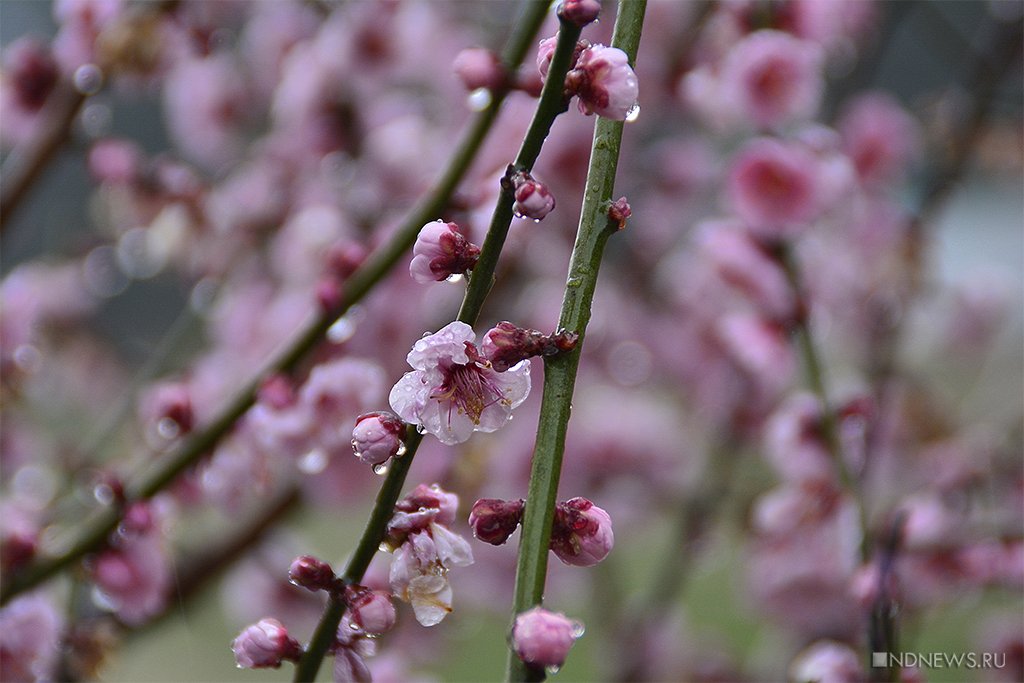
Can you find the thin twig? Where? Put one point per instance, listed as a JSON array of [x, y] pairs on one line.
[[560, 371]]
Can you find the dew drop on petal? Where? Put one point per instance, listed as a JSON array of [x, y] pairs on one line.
[[578, 629], [383, 547], [102, 600], [421, 429], [380, 469], [633, 114], [402, 450], [313, 462], [552, 670], [354, 626], [454, 277]]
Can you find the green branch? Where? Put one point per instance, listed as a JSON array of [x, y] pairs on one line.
[[560, 371]]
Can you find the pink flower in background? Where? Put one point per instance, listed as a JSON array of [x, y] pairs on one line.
[[30, 74], [879, 136], [772, 186], [30, 633], [452, 391], [773, 78], [542, 638], [440, 252], [604, 82], [135, 578], [478, 67]]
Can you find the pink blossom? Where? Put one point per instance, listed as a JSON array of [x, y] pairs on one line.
[[426, 550], [746, 265], [350, 667], [135, 578], [533, 199], [264, 644], [505, 344], [794, 442], [758, 346], [115, 160], [545, 53], [453, 391], [30, 638], [879, 136], [30, 74], [827, 662], [772, 186], [773, 78], [542, 638], [478, 67], [582, 533], [441, 251], [377, 437], [604, 82]]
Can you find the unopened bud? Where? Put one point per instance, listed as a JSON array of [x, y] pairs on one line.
[[440, 252], [378, 436], [265, 644], [582, 533], [477, 68], [494, 520], [579, 12], [533, 199], [312, 574], [619, 211], [504, 345], [542, 638], [373, 612]]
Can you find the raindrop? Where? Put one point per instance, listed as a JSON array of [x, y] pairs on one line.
[[96, 119], [578, 629], [88, 79], [633, 114], [479, 99], [380, 469], [28, 358], [552, 670], [313, 462], [354, 626], [103, 494], [420, 429], [383, 547], [167, 428], [102, 275], [455, 277], [342, 330], [402, 450], [102, 600], [135, 257]]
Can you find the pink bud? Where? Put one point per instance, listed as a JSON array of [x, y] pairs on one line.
[[373, 612], [533, 199], [115, 161], [493, 520], [312, 574], [17, 549], [378, 436], [505, 344], [328, 294], [604, 82], [265, 644], [431, 497], [343, 258], [276, 392], [582, 533], [477, 67], [619, 211], [440, 252], [542, 638], [579, 12]]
